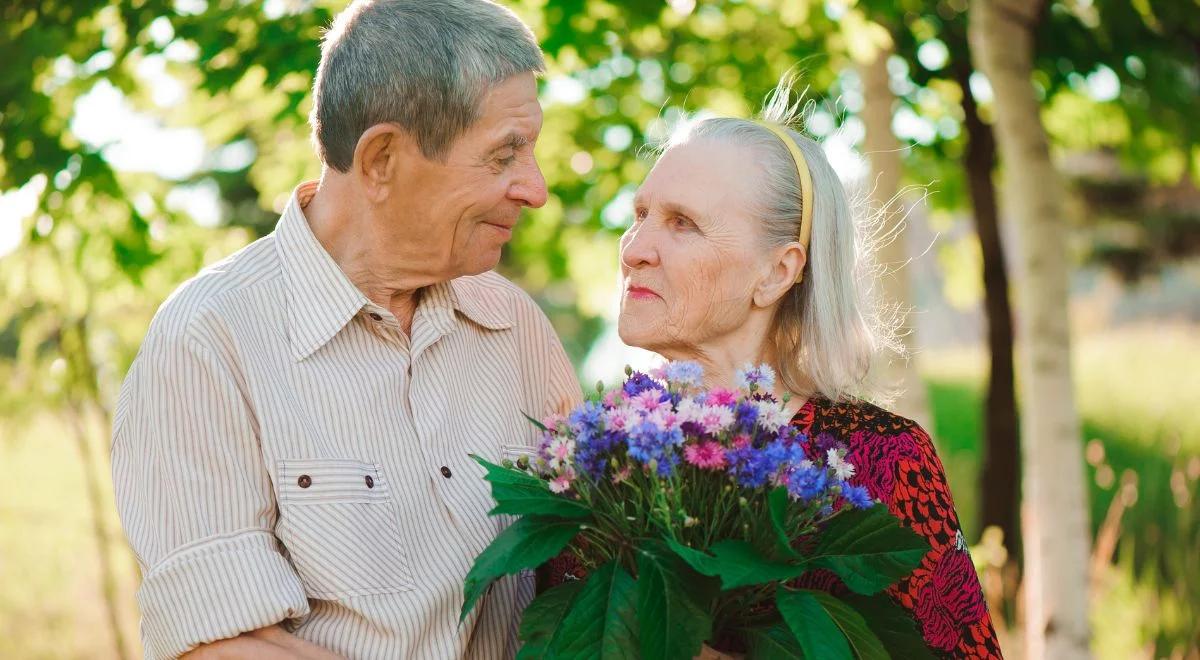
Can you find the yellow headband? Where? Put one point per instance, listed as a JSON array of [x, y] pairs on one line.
[[806, 188]]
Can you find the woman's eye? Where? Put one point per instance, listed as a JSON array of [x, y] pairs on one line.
[[680, 222], [640, 214]]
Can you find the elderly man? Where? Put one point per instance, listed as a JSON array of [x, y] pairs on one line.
[[290, 450]]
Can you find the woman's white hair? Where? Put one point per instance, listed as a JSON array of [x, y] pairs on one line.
[[827, 330]]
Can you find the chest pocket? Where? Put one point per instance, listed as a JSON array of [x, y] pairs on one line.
[[340, 526]]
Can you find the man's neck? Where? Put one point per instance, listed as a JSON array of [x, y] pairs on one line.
[[348, 235]]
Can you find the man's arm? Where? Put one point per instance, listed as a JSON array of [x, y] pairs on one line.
[[196, 500]]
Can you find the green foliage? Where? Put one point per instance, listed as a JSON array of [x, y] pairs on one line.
[[527, 543], [815, 630], [520, 493], [868, 549]]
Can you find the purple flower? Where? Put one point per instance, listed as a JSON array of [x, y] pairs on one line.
[[639, 382], [857, 496]]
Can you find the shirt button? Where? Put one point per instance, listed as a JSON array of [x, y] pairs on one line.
[[304, 481], [375, 316], [370, 482], [445, 472]]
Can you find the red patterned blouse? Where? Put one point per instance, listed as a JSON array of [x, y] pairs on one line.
[[896, 462]]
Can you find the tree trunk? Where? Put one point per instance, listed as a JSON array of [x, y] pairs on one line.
[[1000, 477], [882, 149], [1055, 516]]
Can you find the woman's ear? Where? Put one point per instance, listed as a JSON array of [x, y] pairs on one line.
[[781, 275]]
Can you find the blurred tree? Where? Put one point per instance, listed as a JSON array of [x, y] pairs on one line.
[[1057, 535]]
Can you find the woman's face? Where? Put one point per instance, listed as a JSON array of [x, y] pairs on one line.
[[691, 261]]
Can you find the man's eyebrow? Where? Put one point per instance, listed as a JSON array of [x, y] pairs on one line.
[[513, 140]]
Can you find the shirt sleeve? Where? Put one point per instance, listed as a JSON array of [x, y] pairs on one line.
[[943, 593], [196, 500]]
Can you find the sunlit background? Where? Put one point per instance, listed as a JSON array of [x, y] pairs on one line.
[[142, 140]]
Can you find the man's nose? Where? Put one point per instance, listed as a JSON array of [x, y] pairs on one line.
[[530, 186]]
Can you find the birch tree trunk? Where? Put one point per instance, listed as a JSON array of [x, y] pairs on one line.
[[1055, 518], [882, 150]]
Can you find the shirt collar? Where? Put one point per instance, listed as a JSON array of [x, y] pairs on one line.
[[322, 300]]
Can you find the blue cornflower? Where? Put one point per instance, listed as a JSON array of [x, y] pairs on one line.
[[685, 373], [808, 482], [745, 416], [857, 496], [647, 442], [586, 417], [752, 378], [750, 467]]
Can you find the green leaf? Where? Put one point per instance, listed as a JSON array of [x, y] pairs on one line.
[[674, 604], [777, 505], [520, 493], [865, 643], [524, 544], [602, 622], [737, 563], [893, 625], [868, 549], [774, 643], [815, 630], [540, 426], [543, 618]]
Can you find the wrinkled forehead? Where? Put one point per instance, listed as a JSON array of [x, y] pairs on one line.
[[712, 176]]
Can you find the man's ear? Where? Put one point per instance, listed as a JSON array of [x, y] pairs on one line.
[[781, 275], [378, 157]]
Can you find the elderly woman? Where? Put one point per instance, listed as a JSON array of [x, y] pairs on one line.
[[744, 250]]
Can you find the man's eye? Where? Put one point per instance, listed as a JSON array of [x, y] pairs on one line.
[[508, 159], [681, 222], [640, 214]]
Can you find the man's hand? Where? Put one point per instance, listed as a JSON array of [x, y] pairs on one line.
[[272, 643]]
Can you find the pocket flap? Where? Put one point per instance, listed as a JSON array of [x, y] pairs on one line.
[[331, 480]]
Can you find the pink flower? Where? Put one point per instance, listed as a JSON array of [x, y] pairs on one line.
[[721, 397], [620, 419], [553, 422], [663, 419], [560, 484], [648, 400], [707, 455], [716, 419], [741, 441]]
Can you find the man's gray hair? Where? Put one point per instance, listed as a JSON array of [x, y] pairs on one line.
[[422, 65]]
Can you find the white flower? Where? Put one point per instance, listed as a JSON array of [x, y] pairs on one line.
[[772, 416], [841, 469], [689, 410]]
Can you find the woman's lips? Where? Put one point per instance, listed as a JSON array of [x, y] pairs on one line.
[[641, 293]]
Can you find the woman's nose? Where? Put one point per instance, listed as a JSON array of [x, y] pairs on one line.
[[529, 187], [638, 247]]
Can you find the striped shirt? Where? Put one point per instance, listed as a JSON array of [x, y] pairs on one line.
[[284, 453]]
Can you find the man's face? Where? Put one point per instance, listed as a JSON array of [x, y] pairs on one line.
[[462, 211]]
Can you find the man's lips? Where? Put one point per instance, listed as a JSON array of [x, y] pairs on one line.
[[502, 227], [641, 293]]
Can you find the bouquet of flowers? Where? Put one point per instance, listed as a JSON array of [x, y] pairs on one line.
[[695, 513]]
